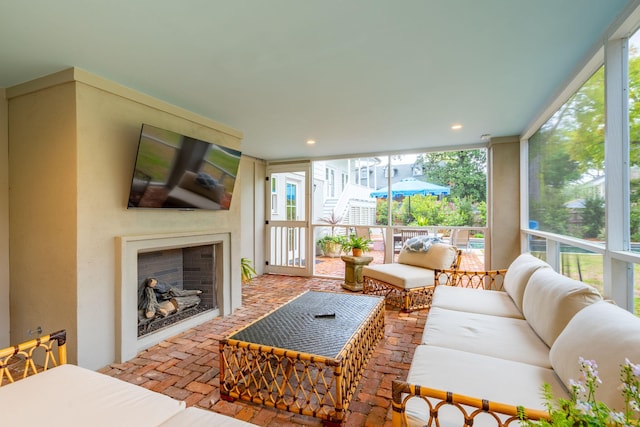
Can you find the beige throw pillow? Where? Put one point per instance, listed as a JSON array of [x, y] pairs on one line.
[[602, 332], [551, 300], [439, 256], [518, 274]]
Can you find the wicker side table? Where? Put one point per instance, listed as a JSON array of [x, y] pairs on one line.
[[353, 271]]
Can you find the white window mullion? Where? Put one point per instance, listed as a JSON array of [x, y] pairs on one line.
[[618, 279], [524, 193]]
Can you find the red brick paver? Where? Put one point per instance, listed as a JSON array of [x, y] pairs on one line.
[[186, 366]]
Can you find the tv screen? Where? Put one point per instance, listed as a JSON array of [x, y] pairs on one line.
[[176, 171]]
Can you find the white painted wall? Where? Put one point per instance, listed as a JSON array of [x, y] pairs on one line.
[[252, 184], [73, 140]]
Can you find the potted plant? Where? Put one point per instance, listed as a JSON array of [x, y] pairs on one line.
[[247, 270], [332, 220], [331, 246], [357, 245]]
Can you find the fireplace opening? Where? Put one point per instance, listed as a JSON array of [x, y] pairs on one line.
[[174, 285]]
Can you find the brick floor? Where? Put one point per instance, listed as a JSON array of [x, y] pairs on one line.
[[186, 366]]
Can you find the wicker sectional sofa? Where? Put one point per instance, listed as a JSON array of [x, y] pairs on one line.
[[492, 339]]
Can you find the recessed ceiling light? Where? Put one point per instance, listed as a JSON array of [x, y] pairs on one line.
[[310, 141], [456, 126]]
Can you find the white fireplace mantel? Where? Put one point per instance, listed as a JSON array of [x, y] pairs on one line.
[[128, 345]]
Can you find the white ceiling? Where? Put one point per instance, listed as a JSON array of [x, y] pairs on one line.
[[358, 76]]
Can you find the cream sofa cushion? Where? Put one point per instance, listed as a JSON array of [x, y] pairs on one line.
[[400, 275], [602, 332], [439, 256], [495, 303], [551, 300], [86, 397], [518, 274], [470, 374], [196, 417], [500, 337]]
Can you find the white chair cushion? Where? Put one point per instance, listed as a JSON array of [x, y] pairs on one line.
[[518, 274], [485, 377], [602, 332], [500, 337], [551, 300], [400, 275], [495, 303], [439, 256]]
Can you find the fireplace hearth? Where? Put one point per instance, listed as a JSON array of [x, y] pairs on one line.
[[175, 284], [188, 264], [149, 326]]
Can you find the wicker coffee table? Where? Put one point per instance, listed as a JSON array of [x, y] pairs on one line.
[[305, 357]]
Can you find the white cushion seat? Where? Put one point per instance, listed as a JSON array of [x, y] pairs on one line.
[[196, 417], [401, 275], [500, 337], [71, 395], [457, 371], [495, 303]]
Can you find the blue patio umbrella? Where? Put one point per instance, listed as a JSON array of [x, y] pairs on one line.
[[411, 187]]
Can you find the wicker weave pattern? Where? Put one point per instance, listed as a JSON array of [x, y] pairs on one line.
[[292, 325], [404, 299], [298, 381], [487, 280], [19, 359], [469, 407]]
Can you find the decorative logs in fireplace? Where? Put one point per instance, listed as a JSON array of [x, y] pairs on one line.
[[159, 299]]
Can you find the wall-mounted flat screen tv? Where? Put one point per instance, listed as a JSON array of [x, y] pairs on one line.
[[176, 171]]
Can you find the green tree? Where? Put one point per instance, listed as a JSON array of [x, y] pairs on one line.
[[634, 200], [428, 210], [425, 210], [593, 217], [550, 212], [634, 108], [586, 127], [464, 172]]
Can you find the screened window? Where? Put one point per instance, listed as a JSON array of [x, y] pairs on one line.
[[451, 190], [274, 195], [634, 140], [566, 166], [292, 201]]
